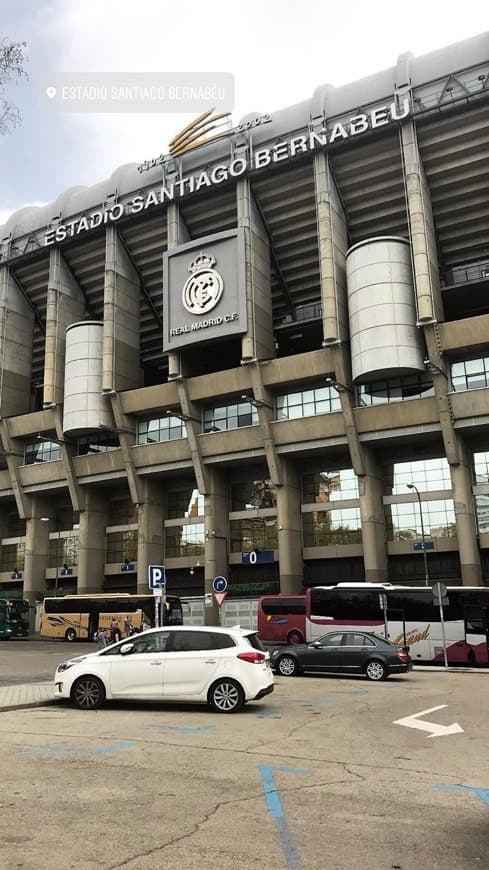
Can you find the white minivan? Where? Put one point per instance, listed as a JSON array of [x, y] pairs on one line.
[[223, 667]]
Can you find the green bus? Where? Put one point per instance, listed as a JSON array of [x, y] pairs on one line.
[[14, 617]]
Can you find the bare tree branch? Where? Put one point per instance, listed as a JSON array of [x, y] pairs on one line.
[[12, 60]]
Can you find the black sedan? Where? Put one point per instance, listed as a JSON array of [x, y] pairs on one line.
[[347, 652]]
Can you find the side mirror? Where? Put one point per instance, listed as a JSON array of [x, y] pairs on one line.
[[316, 644], [126, 648]]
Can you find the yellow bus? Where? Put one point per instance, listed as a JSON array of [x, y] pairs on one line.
[[78, 617]]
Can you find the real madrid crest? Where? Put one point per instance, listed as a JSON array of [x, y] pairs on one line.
[[203, 290]]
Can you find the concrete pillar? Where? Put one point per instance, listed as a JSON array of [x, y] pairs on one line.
[[151, 517], [465, 519], [333, 244], [91, 554], [216, 513], [373, 522], [289, 522], [258, 342], [16, 337], [65, 305], [176, 234], [422, 229], [121, 317], [36, 549]]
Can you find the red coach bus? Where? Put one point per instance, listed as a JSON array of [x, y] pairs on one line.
[[282, 618]]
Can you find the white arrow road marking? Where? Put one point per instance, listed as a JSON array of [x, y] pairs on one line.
[[435, 729]]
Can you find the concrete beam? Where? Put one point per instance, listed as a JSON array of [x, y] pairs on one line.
[[258, 342], [127, 437], [121, 317], [332, 243], [16, 338], [66, 304], [15, 458], [422, 229], [176, 234]]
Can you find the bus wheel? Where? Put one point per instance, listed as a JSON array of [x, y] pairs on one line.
[[70, 634], [295, 637], [88, 693]]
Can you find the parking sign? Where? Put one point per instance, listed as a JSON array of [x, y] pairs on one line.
[[156, 577]]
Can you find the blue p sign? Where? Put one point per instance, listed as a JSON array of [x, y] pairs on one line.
[[156, 576]]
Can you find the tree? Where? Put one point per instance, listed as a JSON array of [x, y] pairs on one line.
[[12, 60]]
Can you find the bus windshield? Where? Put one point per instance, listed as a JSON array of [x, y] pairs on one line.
[[79, 617], [282, 618], [14, 617], [407, 615]]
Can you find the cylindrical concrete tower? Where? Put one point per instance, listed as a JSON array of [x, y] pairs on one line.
[[385, 341], [85, 409]]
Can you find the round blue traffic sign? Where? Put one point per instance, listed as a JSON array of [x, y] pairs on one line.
[[219, 584]]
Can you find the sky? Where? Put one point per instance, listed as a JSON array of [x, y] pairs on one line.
[[279, 51]]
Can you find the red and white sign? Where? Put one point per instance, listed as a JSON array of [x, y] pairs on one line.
[[219, 598]]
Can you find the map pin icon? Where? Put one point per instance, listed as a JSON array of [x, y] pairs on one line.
[[50, 92]]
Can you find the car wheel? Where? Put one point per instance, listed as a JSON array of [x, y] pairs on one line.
[[88, 693], [376, 670], [70, 634], [287, 666], [295, 637], [226, 696]]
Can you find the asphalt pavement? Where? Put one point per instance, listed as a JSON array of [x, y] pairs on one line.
[[324, 774]]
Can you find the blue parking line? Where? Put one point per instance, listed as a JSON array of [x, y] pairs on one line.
[[275, 811], [482, 793], [33, 750]]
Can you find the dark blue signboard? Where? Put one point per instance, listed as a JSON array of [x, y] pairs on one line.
[[426, 545], [257, 557]]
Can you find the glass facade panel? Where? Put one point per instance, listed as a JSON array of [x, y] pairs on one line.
[[122, 546], [307, 403], [482, 510], [403, 521], [160, 429], [63, 550], [253, 495], [258, 533], [472, 374], [41, 451], [186, 502], [324, 486], [231, 416], [185, 540], [12, 557], [395, 390], [327, 528], [426, 474], [481, 467]]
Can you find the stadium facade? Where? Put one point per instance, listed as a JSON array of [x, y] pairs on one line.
[[265, 358]]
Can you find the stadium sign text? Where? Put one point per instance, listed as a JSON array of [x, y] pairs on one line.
[[259, 159]]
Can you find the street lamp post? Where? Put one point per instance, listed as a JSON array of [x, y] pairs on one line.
[[425, 555]]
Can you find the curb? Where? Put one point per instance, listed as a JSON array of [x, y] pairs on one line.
[[450, 670], [28, 704]]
